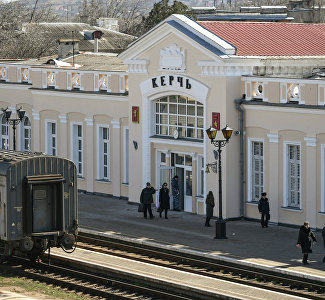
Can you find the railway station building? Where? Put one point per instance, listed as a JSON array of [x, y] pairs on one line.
[[141, 116]]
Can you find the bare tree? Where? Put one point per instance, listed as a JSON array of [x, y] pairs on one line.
[[128, 12], [15, 41]]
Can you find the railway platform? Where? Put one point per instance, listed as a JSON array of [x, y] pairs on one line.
[[273, 247]]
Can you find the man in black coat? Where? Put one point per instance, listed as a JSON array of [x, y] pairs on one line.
[[264, 209], [305, 238], [164, 200], [146, 199]]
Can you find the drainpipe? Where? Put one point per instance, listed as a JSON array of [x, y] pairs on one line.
[[238, 103]]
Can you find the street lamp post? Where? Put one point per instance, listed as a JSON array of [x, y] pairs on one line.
[[227, 132], [14, 122]]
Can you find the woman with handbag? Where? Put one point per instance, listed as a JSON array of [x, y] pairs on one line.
[[163, 200]]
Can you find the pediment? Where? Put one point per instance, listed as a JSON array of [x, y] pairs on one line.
[[172, 56]]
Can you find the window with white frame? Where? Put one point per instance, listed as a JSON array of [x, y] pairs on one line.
[[4, 133], [77, 147], [126, 156], [103, 154], [293, 176], [26, 135], [201, 170], [179, 113], [51, 138], [257, 170]]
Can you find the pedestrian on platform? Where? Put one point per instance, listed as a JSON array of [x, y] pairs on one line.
[[163, 200], [305, 239], [209, 208], [264, 209], [146, 199], [175, 192], [323, 235]]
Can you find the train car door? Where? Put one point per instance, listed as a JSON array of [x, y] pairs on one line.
[[43, 200]]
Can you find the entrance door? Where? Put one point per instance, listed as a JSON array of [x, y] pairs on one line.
[[165, 175], [183, 164]]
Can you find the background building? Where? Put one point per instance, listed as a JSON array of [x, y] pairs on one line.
[[124, 124]]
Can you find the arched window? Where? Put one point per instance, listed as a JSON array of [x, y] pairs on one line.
[[178, 113], [4, 133], [26, 135]]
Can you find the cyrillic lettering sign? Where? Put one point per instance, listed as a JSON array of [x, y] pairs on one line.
[[170, 81]]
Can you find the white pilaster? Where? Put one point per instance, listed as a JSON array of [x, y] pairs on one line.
[[36, 134], [273, 184], [89, 165], [116, 157], [63, 149], [311, 195]]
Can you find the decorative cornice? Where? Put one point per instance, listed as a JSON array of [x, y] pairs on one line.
[[209, 68], [89, 121], [63, 118], [311, 141], [36, 116], [138, 66], [273, 137], [116, 124]]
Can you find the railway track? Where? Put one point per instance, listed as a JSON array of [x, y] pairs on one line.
[[252, 276], [85, 283]]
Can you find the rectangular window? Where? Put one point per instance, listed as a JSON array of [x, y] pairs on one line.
[[51, 138], [77, 147], [293, 164], [126, 156], [103, 154], [257, 170]]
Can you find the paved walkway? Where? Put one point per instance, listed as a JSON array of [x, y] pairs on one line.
[[248, 241]]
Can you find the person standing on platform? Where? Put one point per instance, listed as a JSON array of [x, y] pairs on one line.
[[323, 235], [146, 199], [305, 238], [163, 200], [209, 208], [175, 192], [264, 209]]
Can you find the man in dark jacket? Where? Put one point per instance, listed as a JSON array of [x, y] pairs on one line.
[[164, 200], [146, 199], [305, 238], [264, 209]]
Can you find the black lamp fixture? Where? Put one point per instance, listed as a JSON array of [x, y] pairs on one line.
[[14, 122], [212, 132]]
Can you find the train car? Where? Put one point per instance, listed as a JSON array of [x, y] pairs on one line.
[[38, 203]]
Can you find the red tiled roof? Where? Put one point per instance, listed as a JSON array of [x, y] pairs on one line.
[[271, 39]]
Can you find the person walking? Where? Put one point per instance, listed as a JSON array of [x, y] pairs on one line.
[[175, 192], [146, 199], [209, 208], [264, 209], [163, 200], [323, 235], [305, 238]]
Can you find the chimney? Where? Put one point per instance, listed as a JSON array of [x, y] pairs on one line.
[[68, 47]]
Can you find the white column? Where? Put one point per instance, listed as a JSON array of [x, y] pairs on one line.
[[116, 157], [36, 133], [273, 189], [311, 195], [63, 136], [89, 166]]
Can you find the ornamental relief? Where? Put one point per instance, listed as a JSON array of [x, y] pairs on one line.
[[172, 58]]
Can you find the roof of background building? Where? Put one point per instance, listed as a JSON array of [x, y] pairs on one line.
[[271, 39], [111, 41], [108, 62]]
